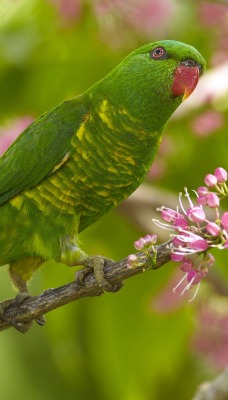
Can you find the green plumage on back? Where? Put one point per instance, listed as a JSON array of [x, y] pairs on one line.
[[78, 161]]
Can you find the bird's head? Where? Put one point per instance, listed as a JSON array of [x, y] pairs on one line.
[[182, 62], [154, 79]]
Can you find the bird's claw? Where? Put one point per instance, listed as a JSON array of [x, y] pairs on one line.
[[96, 265], [20, 326]]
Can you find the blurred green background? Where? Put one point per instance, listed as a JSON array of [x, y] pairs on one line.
[[144, 342]]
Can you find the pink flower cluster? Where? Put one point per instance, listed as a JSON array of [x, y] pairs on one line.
[[195, 234], [144, 243]]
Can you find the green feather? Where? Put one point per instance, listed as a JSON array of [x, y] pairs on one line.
[[81, 159]]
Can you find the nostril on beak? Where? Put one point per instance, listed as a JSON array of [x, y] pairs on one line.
[[191, 63]]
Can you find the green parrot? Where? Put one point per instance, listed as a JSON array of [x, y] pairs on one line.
[[79, 160]]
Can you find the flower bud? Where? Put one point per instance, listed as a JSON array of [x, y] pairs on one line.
[[221, 175], [213, 228], [131, 260], [139, 244], [210, 180], [202, 200], [213, 200], [202, 190], [150, 239], [224, 221]]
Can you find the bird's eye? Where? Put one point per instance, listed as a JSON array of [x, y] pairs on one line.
[[158, 53]]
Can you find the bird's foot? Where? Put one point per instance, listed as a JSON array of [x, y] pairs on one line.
[[4, 305], [96, 264], [19, 299]]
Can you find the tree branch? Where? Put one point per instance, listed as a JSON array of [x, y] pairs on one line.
[[21, 316]]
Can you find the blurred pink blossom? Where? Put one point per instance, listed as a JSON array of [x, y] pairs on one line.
[[211, 337], [11, 131], [142, 16], [157, 170], [163, 303], [213, 14], [68, 9], [147, 15], [207, 123]]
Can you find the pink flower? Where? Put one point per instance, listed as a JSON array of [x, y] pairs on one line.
[[168, 214], [198, 244], [177, 257], [180, 223], [194, 277], [186, 265], [179, 241], [194, 234], [196, 214]]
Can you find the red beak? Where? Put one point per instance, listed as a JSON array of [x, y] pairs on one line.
[[185, 80]]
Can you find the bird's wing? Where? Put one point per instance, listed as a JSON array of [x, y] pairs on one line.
[[40, 148]]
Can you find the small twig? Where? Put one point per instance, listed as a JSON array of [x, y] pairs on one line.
[[34, 307], [215, 390]]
